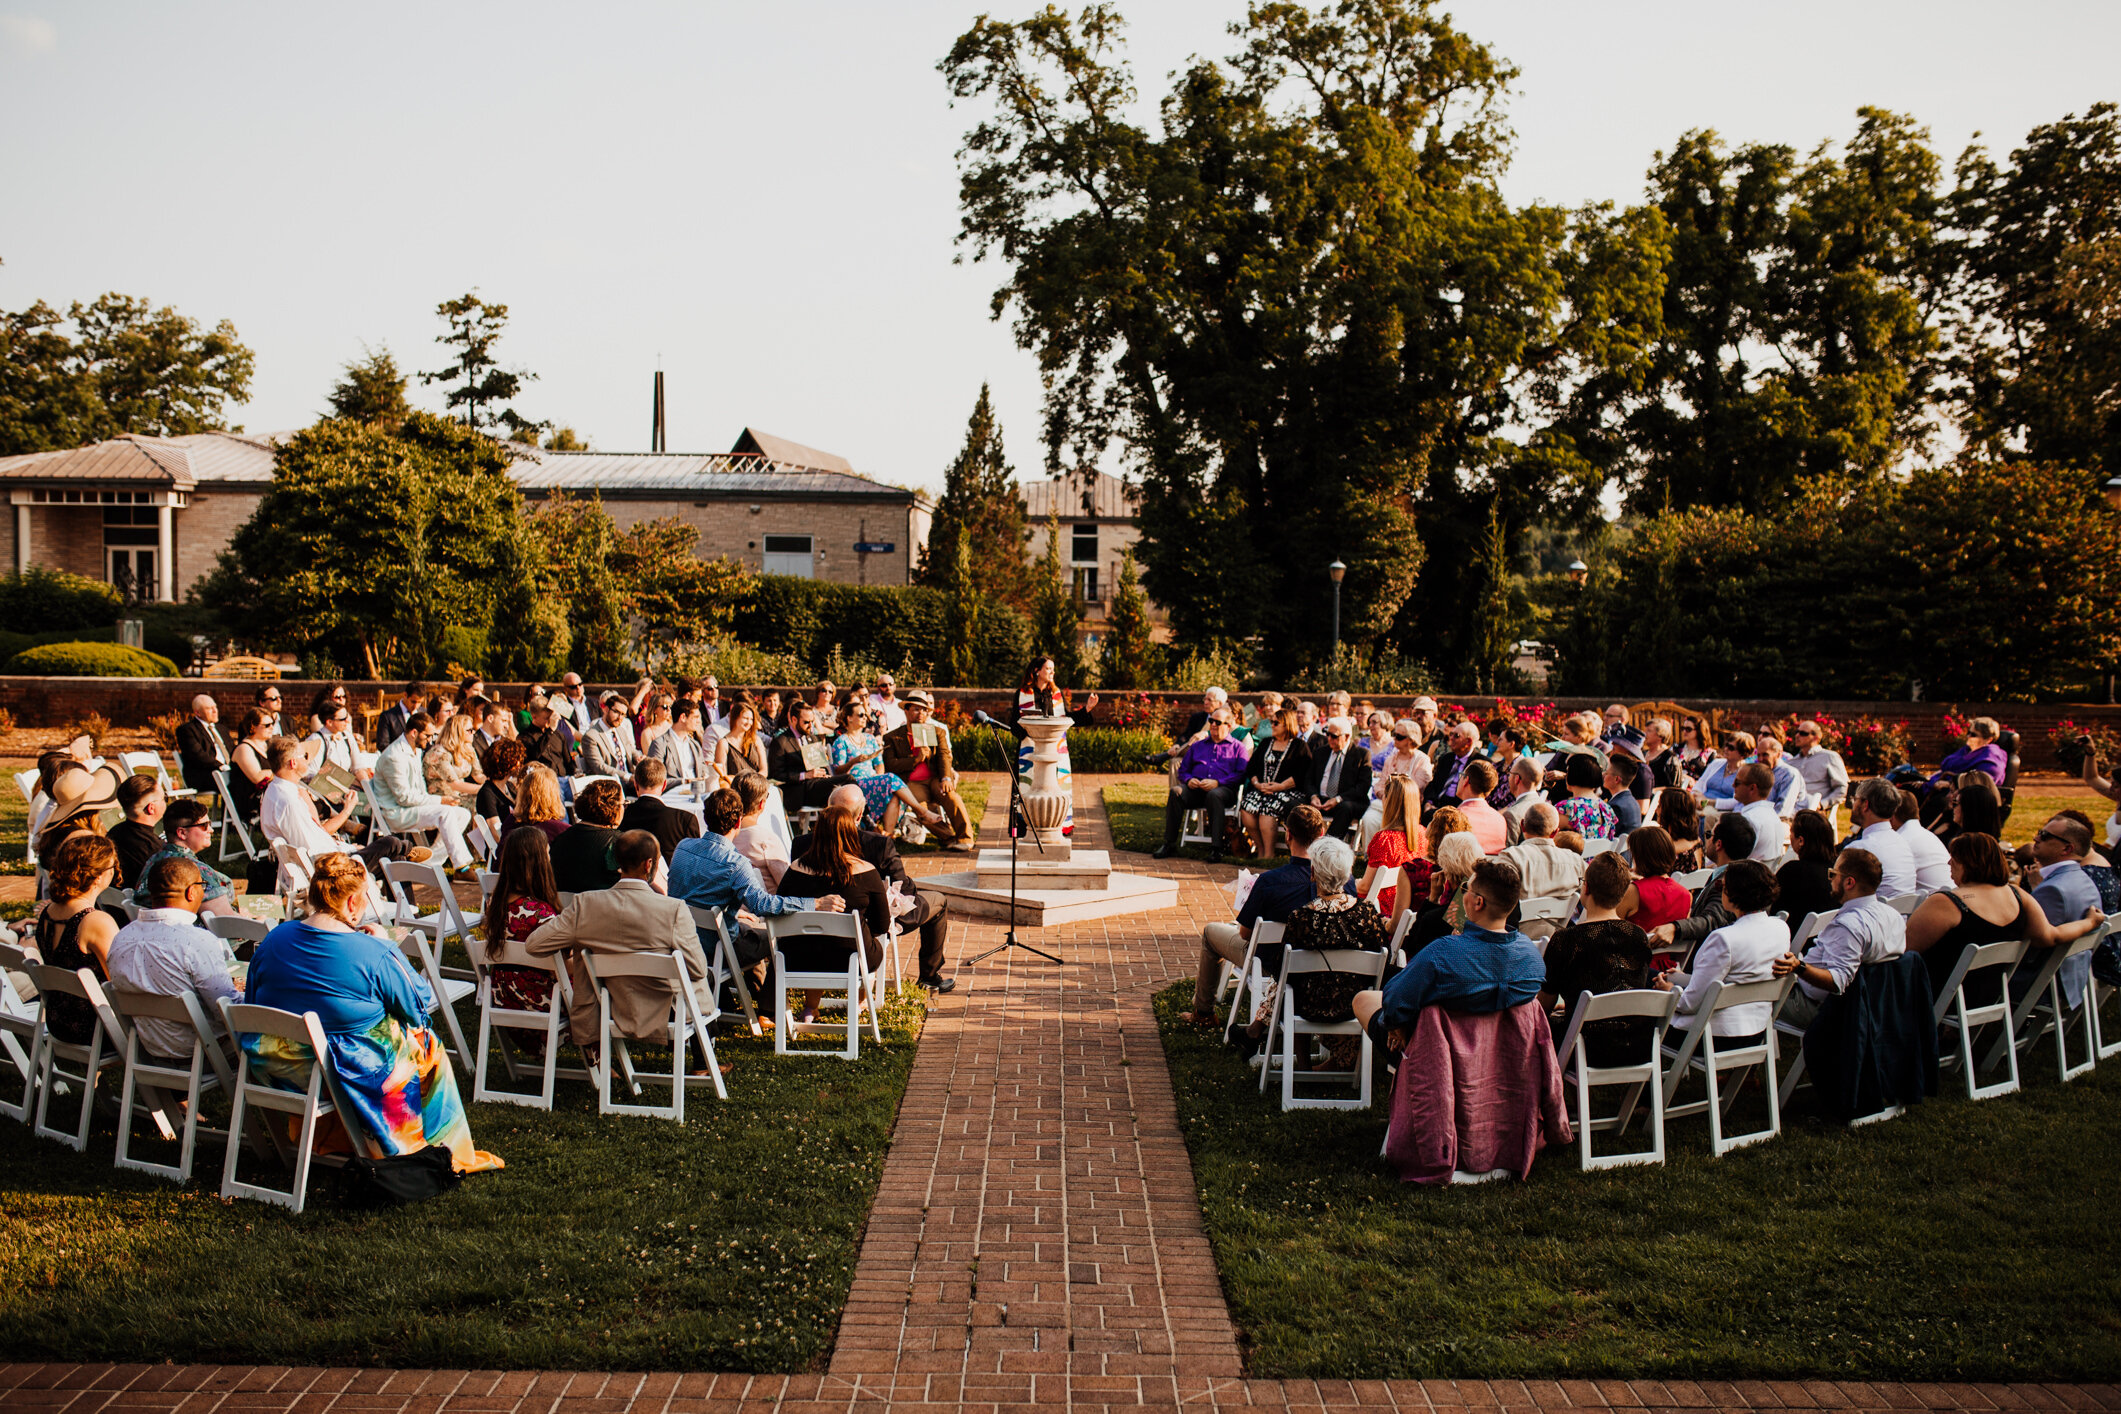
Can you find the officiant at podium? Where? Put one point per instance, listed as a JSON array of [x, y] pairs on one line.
[[1036, 696], [918, 753]]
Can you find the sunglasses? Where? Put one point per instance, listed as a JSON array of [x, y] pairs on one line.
[[2051, 835]]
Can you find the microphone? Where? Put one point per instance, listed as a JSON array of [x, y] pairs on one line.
[[986, 721]]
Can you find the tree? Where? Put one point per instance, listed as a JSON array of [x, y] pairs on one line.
[[316, 566], [1127, 641], [1302, 307], [566, 439], [474, 329], [981, 497], [2038, 360], [113, 366], [1056, 618], [963, 619], [373, 391], [530, 641]]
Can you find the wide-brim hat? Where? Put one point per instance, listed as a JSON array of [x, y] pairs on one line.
[[79, 793], [916, 697], [1624, 746]]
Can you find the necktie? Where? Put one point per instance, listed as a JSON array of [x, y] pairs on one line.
[[1330, 787]]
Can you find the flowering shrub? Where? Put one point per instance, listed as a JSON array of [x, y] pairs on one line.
[[1540, 720], [1131, 709], [2067, 736], [1955, 727], [1870, 746]]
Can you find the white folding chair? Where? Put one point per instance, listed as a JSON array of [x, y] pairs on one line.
[[233, 818], [713, 929], [311, 1104], [206, 1069], [1539, 918], [1251, 981], [687, 1022], [1593, 848], [1648, 1005], [52, 1055], [18, 1033], [496, 1021], [1295, 1031], [1954, 1012], [1386, 877], [858, 982], [1699, 1051], [1693, 879], [1400, 930], [1904, 904], [2041, 1010], [2101, 1047], [236, 929], [484, 847], [144, 763], [120, 899]]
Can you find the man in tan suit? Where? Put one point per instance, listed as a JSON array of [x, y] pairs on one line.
[[928, 771], [630, 916]]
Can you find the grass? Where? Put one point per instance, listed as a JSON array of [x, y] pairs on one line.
[[974, 794], [1135, 810], [725, 1243], [1959, 1242]]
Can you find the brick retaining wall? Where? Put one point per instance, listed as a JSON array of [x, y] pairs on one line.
[[54, 702]]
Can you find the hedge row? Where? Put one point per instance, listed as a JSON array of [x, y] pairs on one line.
[[90, 660], [1104, 751]]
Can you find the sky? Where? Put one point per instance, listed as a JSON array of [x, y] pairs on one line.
[[762, 199]]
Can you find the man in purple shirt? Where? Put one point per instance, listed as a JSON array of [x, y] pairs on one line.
[[1208, 776]]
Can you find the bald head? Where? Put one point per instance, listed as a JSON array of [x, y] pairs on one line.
[[1542, 820], [849, 798]]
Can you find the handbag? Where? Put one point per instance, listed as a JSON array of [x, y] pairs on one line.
[[399, 1180]]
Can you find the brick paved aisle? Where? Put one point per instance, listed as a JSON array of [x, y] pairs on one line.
[[1035, 1242]]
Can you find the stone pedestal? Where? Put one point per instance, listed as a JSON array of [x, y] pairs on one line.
[[1045, 801]]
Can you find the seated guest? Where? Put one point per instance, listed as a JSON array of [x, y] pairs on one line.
[[496, 802], [1339, 784], [497, 723], [1274, 779], [402, 797], [288, 814], [858, 751], [2065, 894], [1863, 931], [1976, 809], [1335, 919], [1583, 810], [71, 932], [669, 825], [538, 800], [1377, 738], [1523, 787], [1653, 898], [1802, 886], [680, 749], [628, 917], [1714, 786], [740, 750], [247, 772], [607, 747], [803, 786], [1872, 806], [925, 911], [1750, 787], [1933, 862], [1620, 798], [1625, 757], [543, 743], [397, 1092], [581, 853], [929, 771], [187, 827], [1209, 773], [1980, 753], [524, 898], [333, 743], [832, 863], [1394, 847], [1618, 725], [1482, 818], [1456, 854], [164, 952], [1406, 761], [452, 764], [1984, 908], [1823, 778], [1544, 870], [1659, 757], [1787, 791], [1680, 816], [1275, 895], [142, 801], [1603, 951], [201, 748], [708, 872], [1730, 842], [1488, 966], [1512, 744], [755, 839], [391, 725], [1744, 949], [1450, 768]]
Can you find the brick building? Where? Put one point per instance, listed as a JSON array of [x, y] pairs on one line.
[[157, 511], [1098, 527]]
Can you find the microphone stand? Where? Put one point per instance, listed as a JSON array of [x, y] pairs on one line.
[[1017, 827]]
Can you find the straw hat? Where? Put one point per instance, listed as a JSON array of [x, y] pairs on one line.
[[86, 792]]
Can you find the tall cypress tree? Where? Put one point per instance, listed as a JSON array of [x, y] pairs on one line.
[[1126, 660], [980, 497]]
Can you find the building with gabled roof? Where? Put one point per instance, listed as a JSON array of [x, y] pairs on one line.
[[1099, 524]]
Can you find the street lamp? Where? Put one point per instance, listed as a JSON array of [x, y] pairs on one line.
[[1338, 571], [1578, 572], [2113, 492]]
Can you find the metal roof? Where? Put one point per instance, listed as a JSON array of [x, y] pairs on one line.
[[1062, 496], [177, 462], [780, 449]]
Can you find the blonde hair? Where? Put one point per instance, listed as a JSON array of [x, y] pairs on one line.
[[335, 879], [456, 739], [538, 798], [1402, 808]]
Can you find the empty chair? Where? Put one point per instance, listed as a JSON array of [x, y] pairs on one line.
[[1693, 879], [1698, 1050], [1652, 1007], [233, 818], [720, 947], [855, 979]]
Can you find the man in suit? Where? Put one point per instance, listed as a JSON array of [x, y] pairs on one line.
[[928, 772], [630, 916], [544, 743], [803, 786], [391, 725], [679, 748], [1443, 789], [648, 812], [929, 912], [607, 750], [1340, 777], [201, 749]]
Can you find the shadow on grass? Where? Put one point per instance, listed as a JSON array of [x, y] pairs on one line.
[[725, 1243], [1960, 1242], [1136, 812]]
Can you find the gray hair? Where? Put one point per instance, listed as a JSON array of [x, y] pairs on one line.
[[1525, 769], [1332, 862], [1458, 853], [1215, 694], [1879, 796]]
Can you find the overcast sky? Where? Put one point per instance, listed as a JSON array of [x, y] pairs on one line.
[[763, 197]]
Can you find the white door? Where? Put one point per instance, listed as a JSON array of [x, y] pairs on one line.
[[789, 554]]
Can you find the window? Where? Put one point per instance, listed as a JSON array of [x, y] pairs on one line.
[[1086, 584], [1085, 552], [790, 554], [130, 525]]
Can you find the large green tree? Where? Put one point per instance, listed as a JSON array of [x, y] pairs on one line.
[[980, 497], [476, 381], [373, 543], [113, 366], [1301, 306]]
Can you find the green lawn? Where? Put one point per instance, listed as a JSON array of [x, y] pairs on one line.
[[724, 1243], [974, 794], [1961, 1241], [1136, 812]]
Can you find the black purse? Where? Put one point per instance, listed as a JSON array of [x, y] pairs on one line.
[[399, 1180]]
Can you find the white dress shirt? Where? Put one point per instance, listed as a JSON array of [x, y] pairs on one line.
[[888, 712], [1891, 852], [165, 952], [287, 812], [1933, 862], [1767, 829], [1862, 931], [1742, 950]]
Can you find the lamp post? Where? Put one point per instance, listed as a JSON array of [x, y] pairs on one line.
[[1338, 571]]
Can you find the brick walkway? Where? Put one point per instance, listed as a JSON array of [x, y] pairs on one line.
[[1035, 1242]]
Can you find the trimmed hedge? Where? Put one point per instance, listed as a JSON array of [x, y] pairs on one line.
[[91, 660], [54, 599], [807, 618], [1101, 751]]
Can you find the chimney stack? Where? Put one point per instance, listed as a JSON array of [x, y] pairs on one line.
[[657, 434]]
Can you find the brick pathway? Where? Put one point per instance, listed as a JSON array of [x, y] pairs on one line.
[[1035, 1242]]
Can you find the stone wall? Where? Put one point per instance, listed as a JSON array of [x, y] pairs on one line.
[[53, 702]]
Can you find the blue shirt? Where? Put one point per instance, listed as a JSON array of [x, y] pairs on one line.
[[1280, 892], [350, 980], [1627, 814], [1475, 971], [2066, 894], [709, 873]]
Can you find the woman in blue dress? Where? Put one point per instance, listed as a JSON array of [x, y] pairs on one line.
[[856, 751], [1037, 697]]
